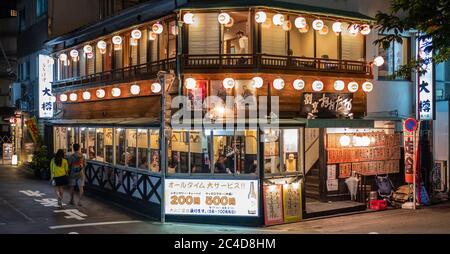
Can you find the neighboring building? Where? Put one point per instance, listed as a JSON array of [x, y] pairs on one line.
[[338, 113]]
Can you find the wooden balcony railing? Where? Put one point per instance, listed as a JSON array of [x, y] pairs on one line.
[[265, 62], [120, 75]]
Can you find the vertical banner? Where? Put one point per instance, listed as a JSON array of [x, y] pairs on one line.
[[33, 129], [292, 202], [411, 137], [273, 204], [426, 102], [45, 86]]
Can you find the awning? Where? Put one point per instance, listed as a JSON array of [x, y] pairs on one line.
[[337, 123], [132, 122]]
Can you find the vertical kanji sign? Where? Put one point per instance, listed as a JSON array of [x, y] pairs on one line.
[[411, 140], [425, 104], [45, 86]]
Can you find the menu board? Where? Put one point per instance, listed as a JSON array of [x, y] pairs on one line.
[[273, 204], [292, 202]]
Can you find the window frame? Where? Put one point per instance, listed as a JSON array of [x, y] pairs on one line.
[[394, 77]]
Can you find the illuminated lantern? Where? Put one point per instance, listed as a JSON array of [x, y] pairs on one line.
[[260, 17], [151, 36], [300, 22], [116, 92], [189, 18], [230, 24], [190, 83], [353, 86], [157, 28], [287, 25], [257, 82], [136, 34], [73, 96], [87, 49], [298, 84], [156, 87], [324, 30], [74, 54], [100, 93], [101, 44], [86, 95], [224, 18], [337, 27], [278, 83], [344, 140], [228, 83], [278, 19], [353, 30], [367, 87], [317, 24], [304, 29], [365, 141], [133, 42], [90, 55], [339, 85], [365, 29], [317, 85], [135, 89], [117, 40], [378, 61], [63, 97], [63, 57]]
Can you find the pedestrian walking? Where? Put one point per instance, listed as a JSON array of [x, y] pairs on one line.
[[59, 169], [77, 163]]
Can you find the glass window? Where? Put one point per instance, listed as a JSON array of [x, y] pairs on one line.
[[271, 151], [82, 63], [178, 152], [91, 143], [71, 139], [100, 145], [172, 39], [301, 43], [60, 139], [98, 61], [153, 46], [134, 51], [224, 148], [130, 157], [83, 141], [41, 7], [235, 37], [109, 148], [90, 62], [352, 45], [143, 47], [199, 157], [154, 151], [143, 151], [204, 35], [327, 42], [273, 38], [250, 150], [120, 146], [118, 56], [394, 57], [290, 150]]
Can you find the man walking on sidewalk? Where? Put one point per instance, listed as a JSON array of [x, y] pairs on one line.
[[77, 164]]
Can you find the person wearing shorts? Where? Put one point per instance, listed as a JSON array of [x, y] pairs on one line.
[[77, 163], [58, 174]]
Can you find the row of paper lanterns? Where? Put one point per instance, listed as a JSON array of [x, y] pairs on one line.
[[298, 84], [280, 20], [101, 93], [345, 140]]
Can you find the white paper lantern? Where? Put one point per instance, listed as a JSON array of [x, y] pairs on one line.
[[278, 19], [136, 34], [304, 29], [63, 57], [257, 82], [300, 22], [317, 24], [278, 83], [63, 97], [353, 86], [365, 29], [337, 27], [224, 18], [115, 92], [73, 96], [353, 29], [101, 44], [317, 85], [260, 17], [344, 140], [156, 87], [230, 24], [339, 85], [135, 89], [324, 30], [189, 18], [87, 49], [367, 87], [151, 36], [298, 84], [190, 83], [90, 55], [378, 61], [287, 25], [228, 83], [117, 40], [86, 95], [365, 141], [74, 54], [100, 93], [157, 28]]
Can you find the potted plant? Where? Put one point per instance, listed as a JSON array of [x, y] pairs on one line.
[[41, 162]]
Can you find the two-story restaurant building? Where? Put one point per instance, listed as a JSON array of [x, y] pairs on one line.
[[308, 69]]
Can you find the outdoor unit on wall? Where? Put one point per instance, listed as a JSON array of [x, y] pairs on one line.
[[16, 92]]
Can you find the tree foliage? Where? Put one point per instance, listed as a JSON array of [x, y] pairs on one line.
[[429, 18]]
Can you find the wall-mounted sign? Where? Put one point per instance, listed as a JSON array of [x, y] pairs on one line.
[[7, 151], [326, 105], [45, 86], [273, 204], [426, 98], [211, 197], [411, 141], [410, 125], [33, 129]]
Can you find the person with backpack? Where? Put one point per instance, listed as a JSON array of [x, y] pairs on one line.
[[77, 164], [59, 170]]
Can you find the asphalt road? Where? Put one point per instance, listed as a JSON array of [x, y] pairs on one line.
[[26, 207]]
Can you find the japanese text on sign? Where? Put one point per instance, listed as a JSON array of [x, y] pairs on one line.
[[45, 86], [425, 83]]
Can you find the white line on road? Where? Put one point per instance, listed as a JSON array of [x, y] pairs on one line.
[[94, 224], [17, 210]]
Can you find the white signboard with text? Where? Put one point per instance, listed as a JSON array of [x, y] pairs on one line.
[[211, 197], [45, 86], [426, 85]]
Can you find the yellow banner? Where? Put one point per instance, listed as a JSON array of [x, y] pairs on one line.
[[292, 202], [33, 129]]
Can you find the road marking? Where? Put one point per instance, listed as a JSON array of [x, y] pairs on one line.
[[72, 214], [73, 233], [17, 210], [31, 193], [373, 233], [93, 224]]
